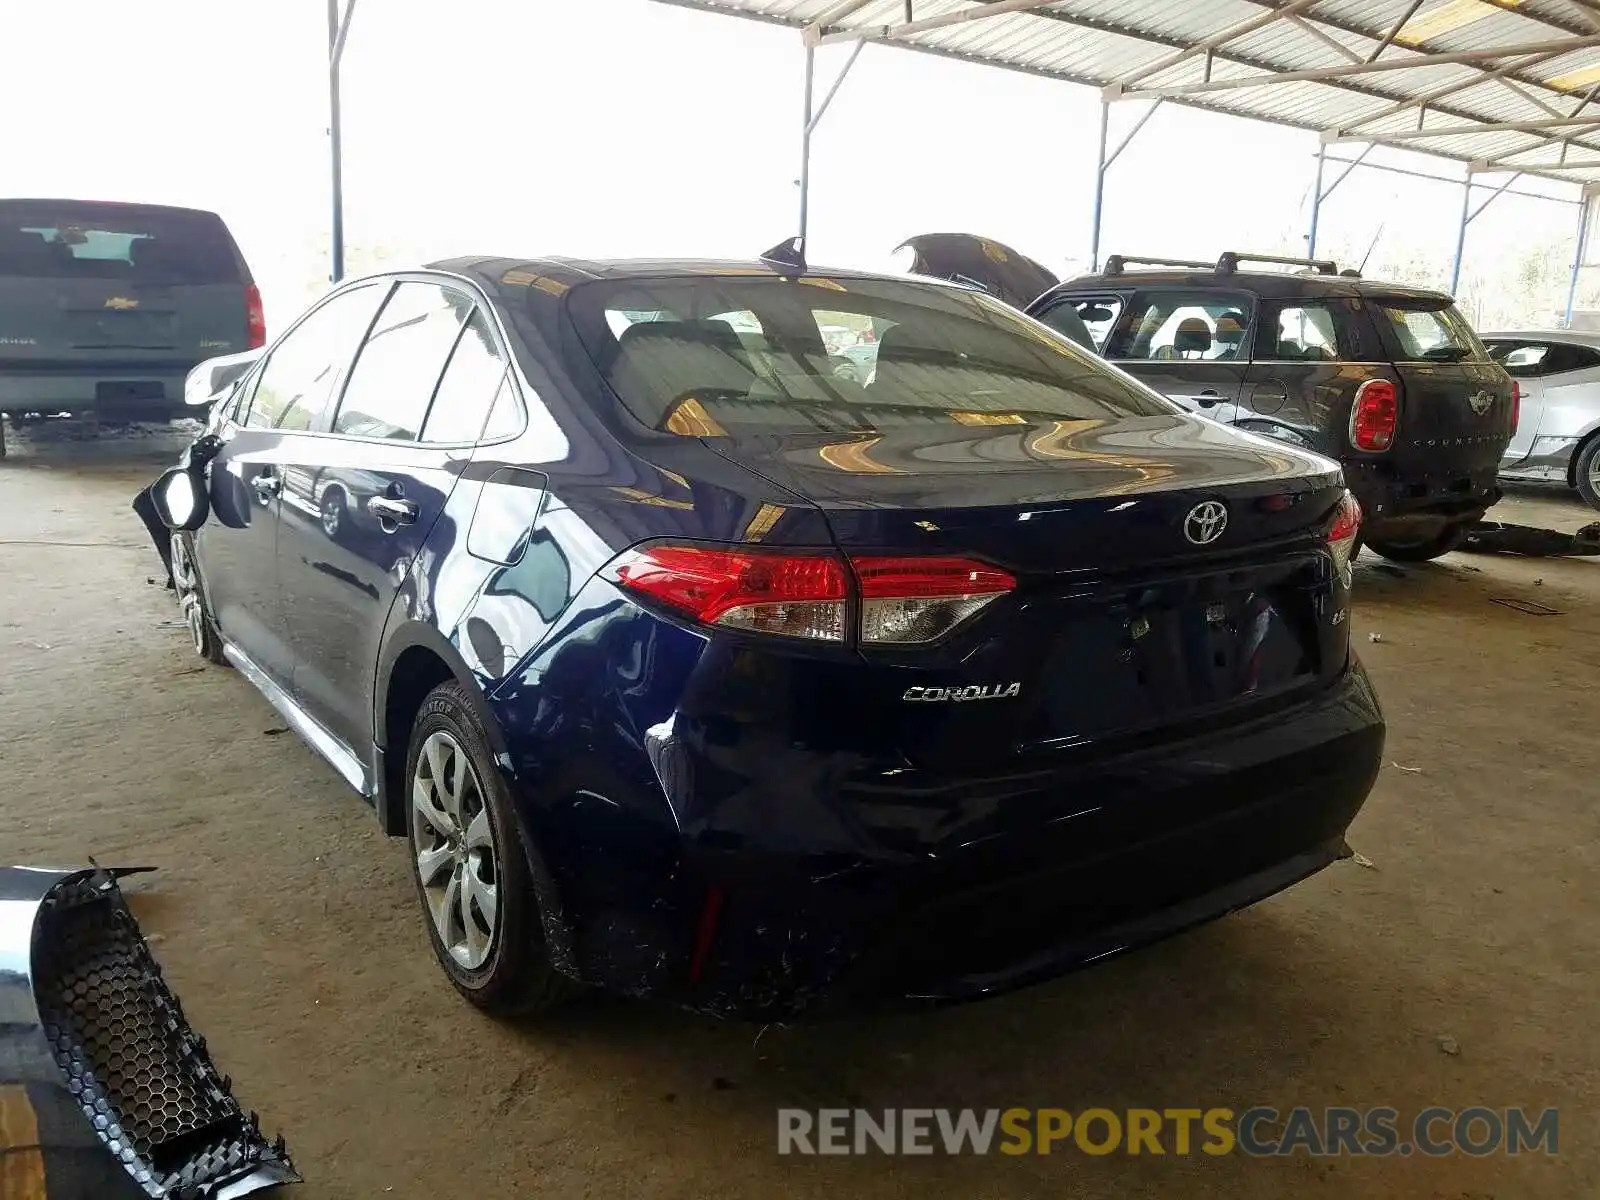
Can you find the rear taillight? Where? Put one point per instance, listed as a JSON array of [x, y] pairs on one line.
[[902, 599], [1516, 405], [1342, 536], [255, 317], [1374, 415]]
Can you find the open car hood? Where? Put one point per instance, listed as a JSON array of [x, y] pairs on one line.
[[981, 263]]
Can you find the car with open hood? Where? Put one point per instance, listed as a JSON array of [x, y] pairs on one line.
[[686, 666]]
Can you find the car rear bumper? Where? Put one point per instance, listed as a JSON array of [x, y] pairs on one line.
[[1100, 856], [1415, 505], [130, 390]]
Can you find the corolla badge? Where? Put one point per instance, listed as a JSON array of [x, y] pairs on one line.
[[1481, 401], [973, 691], [1205, 522], [121, 303]]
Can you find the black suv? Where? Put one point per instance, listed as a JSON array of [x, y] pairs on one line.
[[1389, 380]]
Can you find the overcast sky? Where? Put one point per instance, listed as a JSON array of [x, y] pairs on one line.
[[623, 127]]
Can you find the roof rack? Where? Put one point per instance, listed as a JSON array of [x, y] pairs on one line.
[[1227, 264]]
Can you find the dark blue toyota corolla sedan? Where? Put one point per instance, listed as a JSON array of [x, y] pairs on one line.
[[692, 665]]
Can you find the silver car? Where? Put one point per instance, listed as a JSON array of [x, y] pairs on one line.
[[1557, 439]]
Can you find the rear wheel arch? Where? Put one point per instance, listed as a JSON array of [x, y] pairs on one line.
[[1584, 443]]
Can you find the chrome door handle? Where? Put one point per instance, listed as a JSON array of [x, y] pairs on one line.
[[266, 485], [395, 512]]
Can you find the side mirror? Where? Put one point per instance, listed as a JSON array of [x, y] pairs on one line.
[[216, 378], [181, 499]]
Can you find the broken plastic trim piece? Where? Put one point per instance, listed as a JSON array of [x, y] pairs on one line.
[[96, 1055]]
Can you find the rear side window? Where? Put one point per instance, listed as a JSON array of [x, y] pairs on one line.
[[1182, 325], [1565, 357], [1427, 331], [398, 368], [468, 388], [1523, 360], [66, 240], [301, 375], [1306, 333]]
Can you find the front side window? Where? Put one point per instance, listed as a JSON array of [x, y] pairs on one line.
[[300, 377], [399, 365], [1079, 315], [934, 354], [1170, 326], [1426, 330]]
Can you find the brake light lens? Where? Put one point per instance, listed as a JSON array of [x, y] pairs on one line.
[[1342, 536], [918, 599], [1374, 415], [1516, 405], [255, 317], [904, 600]]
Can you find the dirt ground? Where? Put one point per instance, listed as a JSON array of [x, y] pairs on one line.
[[289, 927]]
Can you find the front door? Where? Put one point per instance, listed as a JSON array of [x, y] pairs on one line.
[[362, 500], [1191, 345]]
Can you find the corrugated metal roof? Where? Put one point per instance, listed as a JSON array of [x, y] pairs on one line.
[[1107, 43]]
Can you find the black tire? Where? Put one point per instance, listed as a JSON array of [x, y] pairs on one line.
[[1425, 550], [517, 976], [191, 595], [1586, 472]]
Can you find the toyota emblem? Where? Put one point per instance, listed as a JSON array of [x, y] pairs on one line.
[[1205, 522]]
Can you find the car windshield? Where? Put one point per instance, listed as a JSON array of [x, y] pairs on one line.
[[65, 240], [1429, 330], [700, 355]]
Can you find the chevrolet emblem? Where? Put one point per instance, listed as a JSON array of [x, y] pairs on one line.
[[121, 302]]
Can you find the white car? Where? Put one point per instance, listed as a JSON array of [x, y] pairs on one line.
[[1558, 436]]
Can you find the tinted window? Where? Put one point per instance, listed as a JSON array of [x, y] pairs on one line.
[[1427, 331], [399, 365], [1179, 325], [1524, 360], [942, 355], [468, 388], [300, 377], [1307, 333], [1566, 357], [1094, 315], [63, 240]]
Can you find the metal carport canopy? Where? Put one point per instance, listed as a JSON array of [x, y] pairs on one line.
[[1509, 87]]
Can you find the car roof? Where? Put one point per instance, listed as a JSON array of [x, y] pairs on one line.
[[1272, 285], [572, 271], [1575, 337], [113, 205]]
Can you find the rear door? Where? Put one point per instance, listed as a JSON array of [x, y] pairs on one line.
[[1526, 361], [117, 287], [361, 498], [288, 393], [1310, 356], [1455, 402], [1189, 344]]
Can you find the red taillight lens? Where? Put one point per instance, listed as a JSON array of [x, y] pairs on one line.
[[1374, 416], [797, 595], [1516, 404], [1342, 537], [903, 599], [255, 317], [918, 599]]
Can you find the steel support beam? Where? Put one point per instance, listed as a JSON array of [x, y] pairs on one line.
[[805, 144], [1326, 38], [1429, 98], [1099, 188], [338, 30], [1577, 259], [1394, 30], [1443, 131], [1215, 41], [1461, 235], [1316, 202], [889, 33], [1333, 74]]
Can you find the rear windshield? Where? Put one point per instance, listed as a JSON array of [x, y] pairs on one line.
[[1428, 330], [112, 241], [699, 356]]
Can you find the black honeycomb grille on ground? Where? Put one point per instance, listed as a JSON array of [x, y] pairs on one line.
[[139, 1073]]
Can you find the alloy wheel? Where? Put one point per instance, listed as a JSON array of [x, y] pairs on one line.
[[457, 860], [1594, 474], [332, 514], [186, 581]]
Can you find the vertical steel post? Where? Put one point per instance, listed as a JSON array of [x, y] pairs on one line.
[[1577, 258], [805, 144], [336, 231], [1099, 187], [1316, 202], [1461, 235]]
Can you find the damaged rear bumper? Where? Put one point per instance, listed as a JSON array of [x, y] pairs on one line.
[[105, 1091]]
